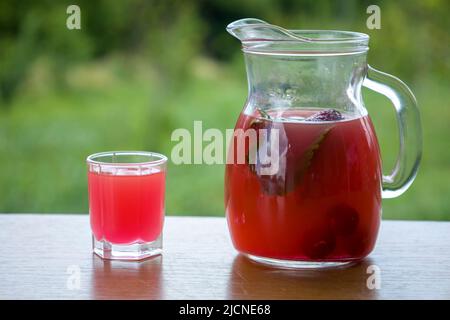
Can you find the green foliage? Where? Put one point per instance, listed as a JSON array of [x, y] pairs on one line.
[[139, 69]]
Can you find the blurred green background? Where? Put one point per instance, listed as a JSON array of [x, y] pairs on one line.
[[139, 69]]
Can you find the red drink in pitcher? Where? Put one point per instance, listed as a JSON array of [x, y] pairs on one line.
[[323, 203]]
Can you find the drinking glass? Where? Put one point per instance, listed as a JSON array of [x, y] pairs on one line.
[[126, 203]]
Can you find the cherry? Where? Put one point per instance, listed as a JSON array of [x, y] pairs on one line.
[[358, 245], [326, 115], [344, 219], [318, 243]]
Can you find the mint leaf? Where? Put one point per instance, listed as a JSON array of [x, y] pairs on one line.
[[280, 185], [264, 114], [309, 155]]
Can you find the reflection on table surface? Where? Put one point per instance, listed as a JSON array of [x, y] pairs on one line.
[[250, 280], [114, 279]]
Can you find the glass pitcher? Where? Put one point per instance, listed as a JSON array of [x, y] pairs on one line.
[[321, 207]]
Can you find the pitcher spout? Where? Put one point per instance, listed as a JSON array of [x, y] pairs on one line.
[[250, 29]]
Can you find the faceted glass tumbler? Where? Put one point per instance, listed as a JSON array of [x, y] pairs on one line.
[[126, 203]]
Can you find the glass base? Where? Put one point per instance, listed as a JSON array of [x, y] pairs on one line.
[[138, 251], [298, 264]]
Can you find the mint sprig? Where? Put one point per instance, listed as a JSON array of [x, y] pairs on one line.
[[309, 155], [281, 185]]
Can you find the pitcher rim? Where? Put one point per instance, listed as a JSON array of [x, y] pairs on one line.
[[263, 38]]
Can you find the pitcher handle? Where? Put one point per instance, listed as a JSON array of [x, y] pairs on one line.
[[410, 131]]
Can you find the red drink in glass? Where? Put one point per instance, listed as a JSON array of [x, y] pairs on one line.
[[324, 203], [126, 209], [126, 203]]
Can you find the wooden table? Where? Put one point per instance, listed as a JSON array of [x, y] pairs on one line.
[[41, 254]]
